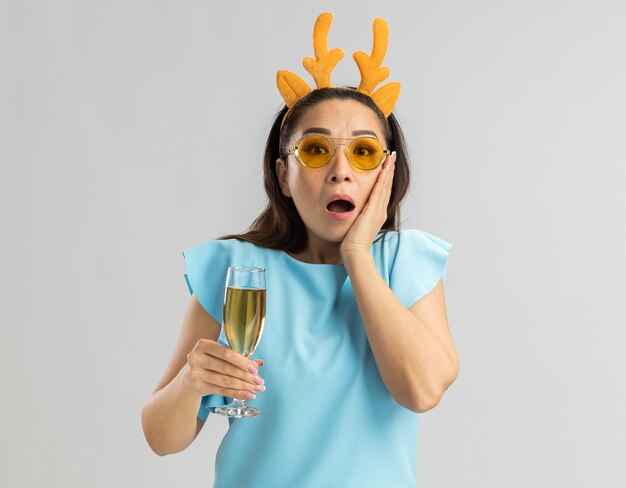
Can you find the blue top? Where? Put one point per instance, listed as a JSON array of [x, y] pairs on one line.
[[327, 418]]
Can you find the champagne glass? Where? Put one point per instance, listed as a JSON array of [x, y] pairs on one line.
[[243, 321]]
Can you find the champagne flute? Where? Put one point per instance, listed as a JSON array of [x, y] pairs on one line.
[[244, 319]]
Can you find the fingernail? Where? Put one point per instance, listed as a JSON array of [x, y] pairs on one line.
[[252, 369], [259, 387], [251, 396], [258, 380]]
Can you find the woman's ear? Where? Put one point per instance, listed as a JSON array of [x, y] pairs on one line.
[[281, 172]]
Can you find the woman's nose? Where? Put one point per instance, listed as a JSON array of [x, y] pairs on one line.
[[339, 163]]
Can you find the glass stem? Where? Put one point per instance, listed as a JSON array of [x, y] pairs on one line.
[[239, 403]]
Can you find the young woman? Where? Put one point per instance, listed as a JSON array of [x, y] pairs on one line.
[[356, 340]]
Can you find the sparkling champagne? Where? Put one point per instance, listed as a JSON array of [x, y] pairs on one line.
[[244, 318]]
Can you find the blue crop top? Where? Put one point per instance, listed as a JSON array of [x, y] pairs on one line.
[[327, 418]]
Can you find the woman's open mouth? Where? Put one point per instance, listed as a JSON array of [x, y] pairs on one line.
[[340, 209]]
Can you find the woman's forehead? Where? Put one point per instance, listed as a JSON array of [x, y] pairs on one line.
[[340, 118]]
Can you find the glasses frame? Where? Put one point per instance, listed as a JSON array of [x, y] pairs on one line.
[[294, 150]]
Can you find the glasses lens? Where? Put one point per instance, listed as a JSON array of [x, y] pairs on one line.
[[366, 153], [315, 151]]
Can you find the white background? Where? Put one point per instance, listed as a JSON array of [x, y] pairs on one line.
[[132, 130]]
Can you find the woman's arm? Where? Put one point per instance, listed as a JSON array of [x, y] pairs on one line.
[[170, 416], [412, 348], [199, 366]]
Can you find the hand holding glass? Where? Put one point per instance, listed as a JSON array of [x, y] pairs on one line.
[[243, 322]]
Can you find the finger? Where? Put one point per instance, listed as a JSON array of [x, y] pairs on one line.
[[376, 199], [225, 382], [391, 163], [382, 189], [390, 177], [380, 180], [227, 354], [212, 389], [215, 365]]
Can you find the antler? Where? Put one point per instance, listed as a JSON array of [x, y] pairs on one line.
[[325, 60], [372, 73], [290, 85], [293, 88], [369, 66]]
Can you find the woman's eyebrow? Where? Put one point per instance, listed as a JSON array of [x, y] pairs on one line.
[[316, 130], [364, 133], [322, 130]]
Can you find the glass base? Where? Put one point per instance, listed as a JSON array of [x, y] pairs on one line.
[[237, 409]]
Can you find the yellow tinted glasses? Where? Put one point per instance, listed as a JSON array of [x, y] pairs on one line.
[[315, 150]]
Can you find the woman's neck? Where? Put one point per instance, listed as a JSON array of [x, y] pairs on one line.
[[320, 252]]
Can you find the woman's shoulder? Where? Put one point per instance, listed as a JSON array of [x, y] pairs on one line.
[[209, 244], [414, 261], [221, 245], [395, 239], [206, 266], [222, 252]]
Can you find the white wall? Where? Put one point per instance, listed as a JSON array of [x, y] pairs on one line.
[[132, 130]]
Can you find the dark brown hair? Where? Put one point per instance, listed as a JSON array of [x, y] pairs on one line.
[[279, 225]]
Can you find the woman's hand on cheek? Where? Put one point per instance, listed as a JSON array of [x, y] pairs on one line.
[[369, 222]]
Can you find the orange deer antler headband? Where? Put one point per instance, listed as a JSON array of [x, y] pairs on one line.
[[292, 88]]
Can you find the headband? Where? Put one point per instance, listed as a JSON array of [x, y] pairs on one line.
[[292, 88]]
